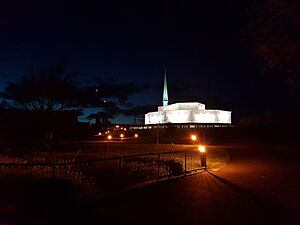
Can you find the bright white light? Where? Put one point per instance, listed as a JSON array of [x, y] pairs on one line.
[[201, 148], [109, 137], [121, 135], [136, 135], [99, 133], [192, 112]]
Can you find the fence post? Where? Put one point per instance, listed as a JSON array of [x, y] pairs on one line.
[[53, 170], [158, 165], [230, 155], [203, 160], [119, 170], [185, 163]]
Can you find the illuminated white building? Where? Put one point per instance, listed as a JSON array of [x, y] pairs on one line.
[[188, 112]]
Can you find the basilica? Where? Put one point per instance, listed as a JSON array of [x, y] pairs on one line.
[[185, 113]]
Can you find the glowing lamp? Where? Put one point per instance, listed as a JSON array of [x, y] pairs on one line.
[[121, 135], [99, 134], [136, 135], [193, 137], [201, 148], [109, 137]]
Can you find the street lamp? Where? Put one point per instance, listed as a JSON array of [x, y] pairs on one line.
[[201, 148], [193, 137], [202, 151], [136, 135], [121, 135], [109, 137]]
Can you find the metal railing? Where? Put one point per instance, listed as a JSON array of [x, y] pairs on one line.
[[111, 174]]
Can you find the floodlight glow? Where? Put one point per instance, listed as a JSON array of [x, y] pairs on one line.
[[109, 137], [201, 148]]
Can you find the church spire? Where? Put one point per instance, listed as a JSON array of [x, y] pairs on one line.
[[165, 92]]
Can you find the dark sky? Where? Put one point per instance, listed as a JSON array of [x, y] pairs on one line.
[[199, 42]]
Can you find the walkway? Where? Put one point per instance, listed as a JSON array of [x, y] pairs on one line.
[[259, 187]]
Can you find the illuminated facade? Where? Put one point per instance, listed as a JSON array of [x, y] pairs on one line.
[[188, 112]]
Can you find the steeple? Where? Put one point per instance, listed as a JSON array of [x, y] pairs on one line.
[[165, 92]]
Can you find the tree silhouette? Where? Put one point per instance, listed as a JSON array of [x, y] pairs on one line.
[[274, 38], [102, 118], [47, 89]]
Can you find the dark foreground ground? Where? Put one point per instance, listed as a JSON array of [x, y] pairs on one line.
[[260, 186]]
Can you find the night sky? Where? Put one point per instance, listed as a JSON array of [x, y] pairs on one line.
[[200, 43]]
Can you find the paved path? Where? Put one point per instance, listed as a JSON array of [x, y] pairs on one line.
[[260, 187]]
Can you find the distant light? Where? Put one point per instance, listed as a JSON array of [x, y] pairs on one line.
[[109, 137], [136, 135], [193, 137], [121, 135], [201, 148], [96, 90], [99, 133], [121, 128], [125, 128], [104, 101], [108, 131], [117, 126]]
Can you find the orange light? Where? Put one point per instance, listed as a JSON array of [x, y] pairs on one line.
[[99, 134], [109, 137], [136, 135], [193, 137], [121, 135], [201, 148]]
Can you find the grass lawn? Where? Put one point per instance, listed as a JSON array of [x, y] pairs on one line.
[[216, 157]]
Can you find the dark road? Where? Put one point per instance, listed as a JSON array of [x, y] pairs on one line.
[[260, 186]]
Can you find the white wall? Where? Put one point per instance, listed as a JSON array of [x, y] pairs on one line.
[[188, 116]]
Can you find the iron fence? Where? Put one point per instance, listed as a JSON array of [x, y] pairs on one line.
[[106, 175]]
